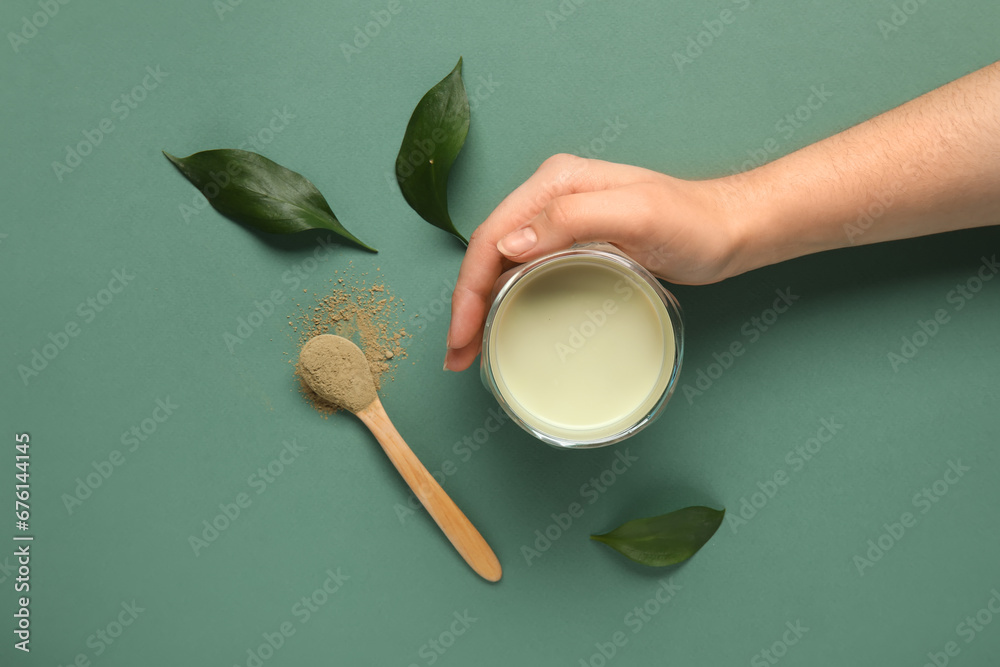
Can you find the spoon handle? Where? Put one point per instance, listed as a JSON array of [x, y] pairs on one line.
[[463, 535]]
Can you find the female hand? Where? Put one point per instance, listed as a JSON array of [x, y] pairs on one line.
[[928, 166], [682, 231]]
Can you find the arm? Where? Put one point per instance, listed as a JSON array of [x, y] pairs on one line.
[[928, 166], [931, 165]]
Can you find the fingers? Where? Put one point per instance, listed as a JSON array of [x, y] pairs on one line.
[[462, 358], [483, 262], [621, 215], [468, 313]]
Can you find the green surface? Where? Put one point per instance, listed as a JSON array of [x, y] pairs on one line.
[[552, 86]]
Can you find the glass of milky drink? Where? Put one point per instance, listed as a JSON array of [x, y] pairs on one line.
[[582, 347]]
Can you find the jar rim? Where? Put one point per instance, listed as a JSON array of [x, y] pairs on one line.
[[605, 253]]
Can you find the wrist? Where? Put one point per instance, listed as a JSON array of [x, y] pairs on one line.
[[750, 218], [773, 217]]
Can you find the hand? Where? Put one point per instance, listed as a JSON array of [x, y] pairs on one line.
[[928, 166], [682, 231]]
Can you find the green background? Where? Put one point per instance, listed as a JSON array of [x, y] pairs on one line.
[[554, 84]]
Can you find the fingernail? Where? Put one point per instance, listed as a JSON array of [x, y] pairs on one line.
[[447, 357], [518, 242]]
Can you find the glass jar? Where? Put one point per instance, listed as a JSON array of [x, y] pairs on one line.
[[582, 347]]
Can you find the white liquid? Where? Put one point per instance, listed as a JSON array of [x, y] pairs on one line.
[[582, 350]]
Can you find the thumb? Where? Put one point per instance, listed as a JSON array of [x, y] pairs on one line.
[[615, 216]]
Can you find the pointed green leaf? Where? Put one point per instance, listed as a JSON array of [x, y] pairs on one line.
[[262, 194], [434, 136], [665, 539]]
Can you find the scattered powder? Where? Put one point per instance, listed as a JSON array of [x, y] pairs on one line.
[[367, 314]]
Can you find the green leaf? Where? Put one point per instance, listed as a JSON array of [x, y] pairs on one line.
[[434, 136], [251, 189], [665, 539]]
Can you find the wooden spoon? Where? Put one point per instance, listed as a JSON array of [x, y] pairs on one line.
[[336, 369]]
